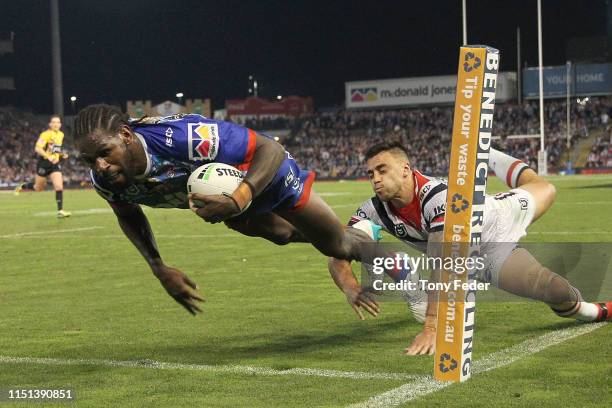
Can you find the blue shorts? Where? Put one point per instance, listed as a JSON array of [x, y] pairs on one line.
[[289, 190]]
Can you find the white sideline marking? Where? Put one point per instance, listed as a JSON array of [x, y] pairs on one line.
[[25, 234], [343, 205], [579, 177], [334, 194], [76, 212], [581, 203], [231, 369], [425, 385], [235, 235], [569, 232]]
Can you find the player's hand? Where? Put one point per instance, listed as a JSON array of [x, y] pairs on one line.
[[213, 208], [54, 159], [423, 343], [362, 298], [180, 287]]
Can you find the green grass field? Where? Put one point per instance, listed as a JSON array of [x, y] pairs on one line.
[[75, 289]]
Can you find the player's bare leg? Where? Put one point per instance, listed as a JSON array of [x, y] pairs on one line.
[[522, 274], [269, 226], [58, 186], [320, 225], [40, 183]]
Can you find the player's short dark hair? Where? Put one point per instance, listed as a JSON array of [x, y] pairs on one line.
[[393, 146], [55, 115], [99, 119]]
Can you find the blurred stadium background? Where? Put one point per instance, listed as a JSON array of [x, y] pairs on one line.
[[332, 138], [79, 308]]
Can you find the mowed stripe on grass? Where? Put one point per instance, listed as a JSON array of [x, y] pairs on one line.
[[427, 385]]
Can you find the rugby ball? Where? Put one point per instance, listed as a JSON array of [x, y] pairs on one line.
[[214, 179]]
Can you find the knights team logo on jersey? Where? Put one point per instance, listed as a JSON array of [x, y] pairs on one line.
[[203, 140]]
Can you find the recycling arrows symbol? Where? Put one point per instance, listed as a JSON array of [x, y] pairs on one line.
[[443, 365], [475, 62], [459, 203]]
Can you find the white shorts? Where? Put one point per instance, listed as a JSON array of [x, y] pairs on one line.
[[508, 215]]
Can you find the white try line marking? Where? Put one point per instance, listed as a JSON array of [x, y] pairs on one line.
[[59, 231], [76, 212], [231, 369], [426, 384]]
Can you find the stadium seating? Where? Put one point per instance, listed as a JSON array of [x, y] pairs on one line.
[[333, 143], [18, 133]]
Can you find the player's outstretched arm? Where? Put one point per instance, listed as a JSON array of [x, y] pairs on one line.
[[136, 227], [425, 341], [267, 159], [356, 296]]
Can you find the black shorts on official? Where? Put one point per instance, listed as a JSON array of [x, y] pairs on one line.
[[44, 168]]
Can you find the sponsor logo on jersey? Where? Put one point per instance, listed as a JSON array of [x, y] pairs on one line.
[[439, 209], [168, 133], [154, 120], [503, 196], [424, 191], [291, 180], [360, 213], [203, 139], [400, 230]]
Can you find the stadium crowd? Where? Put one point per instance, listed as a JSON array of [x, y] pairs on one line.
[[334, 143], [601, 152], [18, 133]]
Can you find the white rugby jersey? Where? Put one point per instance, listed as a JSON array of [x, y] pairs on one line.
[[415, 221], [425, 214]]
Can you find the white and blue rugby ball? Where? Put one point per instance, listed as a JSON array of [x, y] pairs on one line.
[[214, 179]]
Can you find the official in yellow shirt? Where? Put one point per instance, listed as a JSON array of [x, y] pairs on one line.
[[49, 150]]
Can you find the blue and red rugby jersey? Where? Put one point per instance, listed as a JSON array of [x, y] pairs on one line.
[[177, 145]]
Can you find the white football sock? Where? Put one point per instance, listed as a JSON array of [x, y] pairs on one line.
[[506, 167], [587, 312], [583, 311]]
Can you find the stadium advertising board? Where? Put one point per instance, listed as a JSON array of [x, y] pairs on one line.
[[258, 107], [585, 79], [417, 91]]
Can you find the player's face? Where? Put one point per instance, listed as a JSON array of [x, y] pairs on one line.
[[387, 174], [110, 158], [55, 124]]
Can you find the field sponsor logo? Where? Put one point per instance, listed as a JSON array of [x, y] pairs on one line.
[[471, 62], [447, 363], [364, 94], [203, 141], [471, 139], [459, 203]]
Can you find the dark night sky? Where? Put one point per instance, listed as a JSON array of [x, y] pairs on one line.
[[116, 50]]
